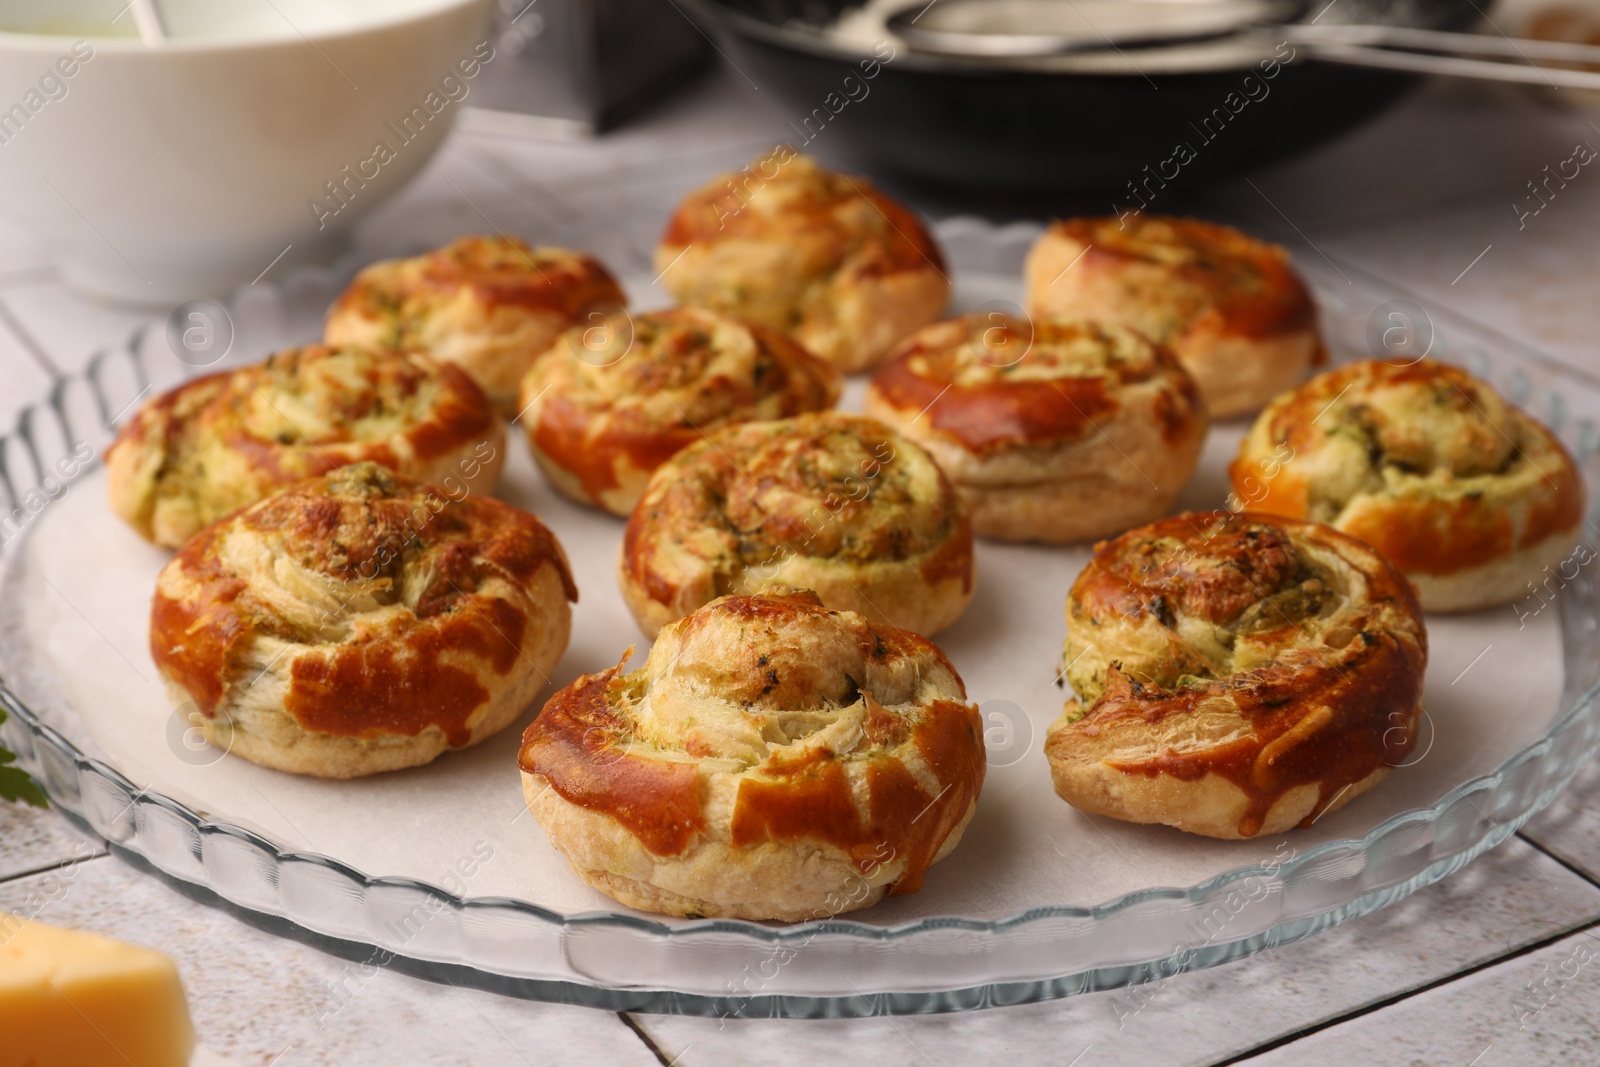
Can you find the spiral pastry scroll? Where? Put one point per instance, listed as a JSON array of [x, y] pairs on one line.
[[1236, 674], [612, 401], [772, 759], [826, 257], [491, 305], [361, 622], [222, 442], [1229, 306], [835, 503], [1051, 431], [1470, 497]]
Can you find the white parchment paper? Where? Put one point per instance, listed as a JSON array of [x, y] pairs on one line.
[[78, 602]]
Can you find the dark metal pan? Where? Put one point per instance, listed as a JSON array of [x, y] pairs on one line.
[[1120, 122]]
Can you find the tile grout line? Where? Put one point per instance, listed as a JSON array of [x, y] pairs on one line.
[[1407, 994], [47, 868], [1579, 871], [649, 1042]]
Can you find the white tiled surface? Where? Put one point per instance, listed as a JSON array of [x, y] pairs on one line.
[[1569, 828], [35, 842], [260, 999], [1436, 979], [1537, 1009], [1496, 906]]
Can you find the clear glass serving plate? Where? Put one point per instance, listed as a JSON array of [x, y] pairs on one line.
[[913, 954]]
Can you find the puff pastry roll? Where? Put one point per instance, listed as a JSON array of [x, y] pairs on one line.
[[1465, 493], [845, 270], [839, 504], [1051, 431], [772, 759], [491, 305], [361, 622], [1231, 307], [219, 443], [1235, 674], [613, 401]]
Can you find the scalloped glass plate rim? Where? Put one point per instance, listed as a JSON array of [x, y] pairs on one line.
[[1194, 894], [1580, 713]]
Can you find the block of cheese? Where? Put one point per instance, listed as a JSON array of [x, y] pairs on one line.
[[71, 999]]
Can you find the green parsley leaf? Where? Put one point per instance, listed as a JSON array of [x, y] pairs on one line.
[[14, 781]]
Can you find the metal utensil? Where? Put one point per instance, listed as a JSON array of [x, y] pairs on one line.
[[1001, 29], [147, 18]]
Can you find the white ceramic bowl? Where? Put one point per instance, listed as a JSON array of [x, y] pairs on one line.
[[161, 174]]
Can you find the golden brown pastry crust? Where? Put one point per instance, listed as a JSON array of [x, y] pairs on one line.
[[219, 443], [826, 257], [491, 305], [1236, 674], [1056, 431], [836, 503], [1230, 307], [772, 759], [361, 622], [599, 422], [1466, 494]]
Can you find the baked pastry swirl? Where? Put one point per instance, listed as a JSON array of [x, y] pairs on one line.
[[1236, 674], [1231, 308], [491, 305], [611, 403], [772, 759], [361, 622], [839, 504], [1055, 431], [1466, 494], [824, 256], [224, 441]]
